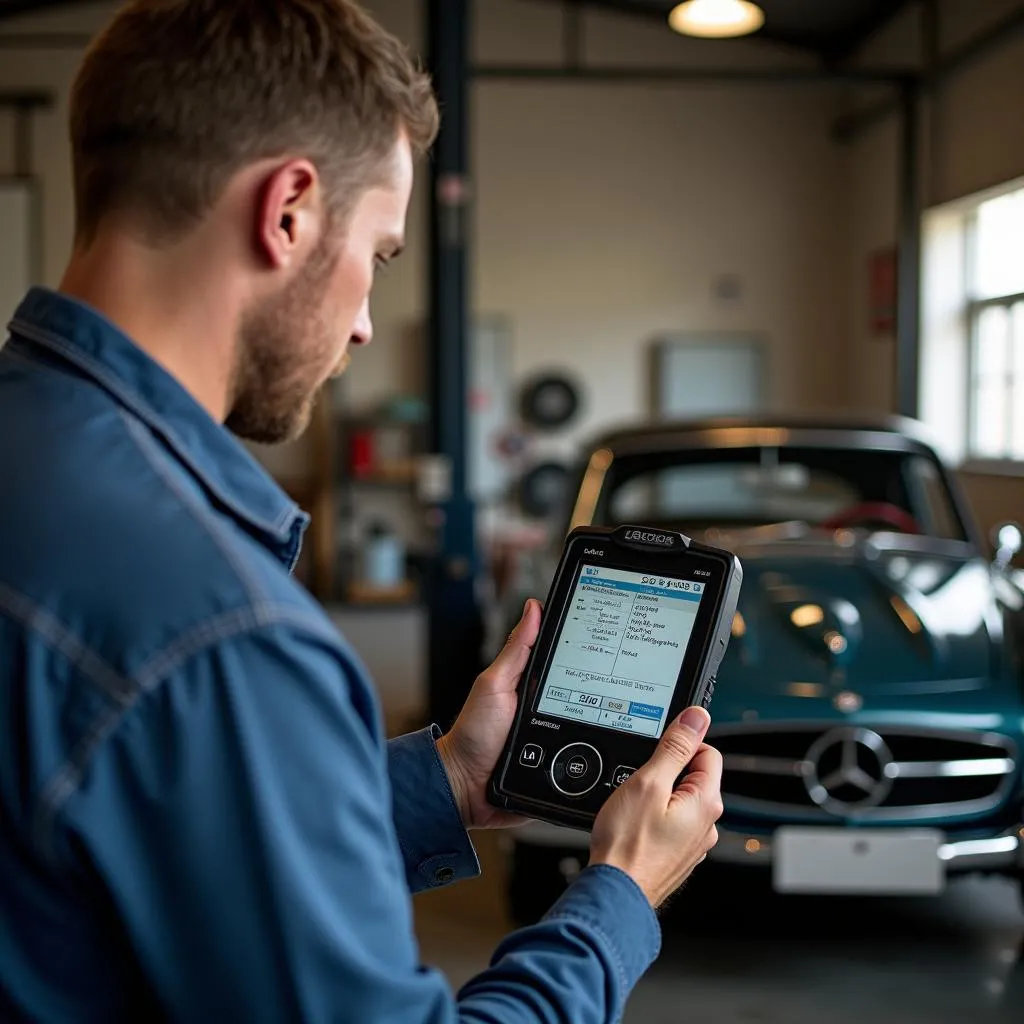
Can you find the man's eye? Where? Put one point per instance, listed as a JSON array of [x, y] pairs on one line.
[[380, 264]]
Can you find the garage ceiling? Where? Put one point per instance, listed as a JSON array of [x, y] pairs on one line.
[[9, 7], [832, 29]]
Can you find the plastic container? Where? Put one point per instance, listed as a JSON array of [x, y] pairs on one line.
[[383, 557]]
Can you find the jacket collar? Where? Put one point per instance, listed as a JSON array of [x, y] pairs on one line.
[[222, 465]]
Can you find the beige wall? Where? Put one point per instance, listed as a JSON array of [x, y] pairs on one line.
[[972, 138], [604, 212], [995, 499]]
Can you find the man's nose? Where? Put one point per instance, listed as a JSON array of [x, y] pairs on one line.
[[362, 330]]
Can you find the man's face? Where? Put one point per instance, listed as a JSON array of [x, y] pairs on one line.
[[292, 342]]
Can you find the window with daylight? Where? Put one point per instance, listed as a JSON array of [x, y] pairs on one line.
[[995, 258], [972, 344]]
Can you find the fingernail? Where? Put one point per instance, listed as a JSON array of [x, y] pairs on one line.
[[696, 720], [526, 608]]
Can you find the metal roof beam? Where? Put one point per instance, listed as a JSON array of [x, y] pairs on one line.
[[840, 52], [26, 99], [996, 35], [557, 72], [12, 8]]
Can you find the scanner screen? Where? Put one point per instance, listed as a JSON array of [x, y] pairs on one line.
[[618, 655]]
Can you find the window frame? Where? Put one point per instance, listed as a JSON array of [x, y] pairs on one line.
[[973, 462]]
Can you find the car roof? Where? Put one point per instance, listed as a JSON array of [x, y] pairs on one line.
[[842, 431]]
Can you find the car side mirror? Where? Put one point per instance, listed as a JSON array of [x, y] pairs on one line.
[[1008, 540]]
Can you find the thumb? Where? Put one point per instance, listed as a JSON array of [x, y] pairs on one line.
[[512, 658], [682, 739]]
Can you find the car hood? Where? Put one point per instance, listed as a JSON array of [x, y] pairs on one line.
[[817, 619]]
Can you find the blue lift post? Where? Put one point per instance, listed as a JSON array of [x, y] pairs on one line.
[[908, 274], [454, 620]]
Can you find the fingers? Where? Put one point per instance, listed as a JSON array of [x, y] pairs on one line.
[[511, 661], [704, 781], [678, 745], [705, 769]]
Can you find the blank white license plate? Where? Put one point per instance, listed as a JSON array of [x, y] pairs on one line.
[[883, 863]]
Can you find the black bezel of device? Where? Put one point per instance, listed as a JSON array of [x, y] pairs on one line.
[[530, 790]]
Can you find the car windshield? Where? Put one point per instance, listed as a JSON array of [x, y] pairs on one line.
[[694, 489]]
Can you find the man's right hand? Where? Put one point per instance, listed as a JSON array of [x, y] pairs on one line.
[[657, 831]]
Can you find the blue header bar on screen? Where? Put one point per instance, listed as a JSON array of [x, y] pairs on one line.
[[639, 588]]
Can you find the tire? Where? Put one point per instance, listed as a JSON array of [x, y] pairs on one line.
[[537, 876]]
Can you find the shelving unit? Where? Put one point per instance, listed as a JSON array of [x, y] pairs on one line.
[[377, 479], [348, 472], [346, 483]]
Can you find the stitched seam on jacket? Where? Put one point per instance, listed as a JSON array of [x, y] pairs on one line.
[[68, 778], [193, 640], [39, 620], [76, 356], [152, 454]]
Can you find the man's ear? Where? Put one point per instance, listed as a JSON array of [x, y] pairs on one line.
[[289, 214]]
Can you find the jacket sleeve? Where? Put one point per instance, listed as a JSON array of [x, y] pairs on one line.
[[435, 846], [238, 817]]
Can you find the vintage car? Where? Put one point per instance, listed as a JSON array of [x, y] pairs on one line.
[[870, 708]]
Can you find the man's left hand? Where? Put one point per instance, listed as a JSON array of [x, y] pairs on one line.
[[472, 747]]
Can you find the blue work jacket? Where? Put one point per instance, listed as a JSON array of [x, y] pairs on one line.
[[200, 817]]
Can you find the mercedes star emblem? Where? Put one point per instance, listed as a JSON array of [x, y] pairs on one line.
[[848, 770]]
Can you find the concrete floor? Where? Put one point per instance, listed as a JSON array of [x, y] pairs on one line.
[[738, 954]]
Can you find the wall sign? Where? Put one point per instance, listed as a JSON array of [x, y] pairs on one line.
[[883, 290]]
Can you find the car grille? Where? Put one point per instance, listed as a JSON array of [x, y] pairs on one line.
[[853, 772]]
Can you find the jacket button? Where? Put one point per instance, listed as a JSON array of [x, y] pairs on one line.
[[444, 875]]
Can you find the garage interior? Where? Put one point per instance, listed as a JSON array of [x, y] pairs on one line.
[[621, 225]]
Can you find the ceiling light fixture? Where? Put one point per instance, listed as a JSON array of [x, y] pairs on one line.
[[716, 19]]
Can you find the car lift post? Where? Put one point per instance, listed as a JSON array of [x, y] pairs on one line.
[[454, 620], [908, 274]]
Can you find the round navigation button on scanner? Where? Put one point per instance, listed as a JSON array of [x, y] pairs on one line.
[[575, 769]]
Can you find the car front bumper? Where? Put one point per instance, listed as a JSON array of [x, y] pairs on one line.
[[999, 853], [1004, 852]]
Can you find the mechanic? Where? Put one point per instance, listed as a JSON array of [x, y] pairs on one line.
[[200, 819]]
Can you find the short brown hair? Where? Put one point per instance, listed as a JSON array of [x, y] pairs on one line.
[[176, 96]]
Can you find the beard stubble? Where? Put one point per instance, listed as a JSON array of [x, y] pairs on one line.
[[286, 348]]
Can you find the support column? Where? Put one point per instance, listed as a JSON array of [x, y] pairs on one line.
[[455, 624], [908, 309]]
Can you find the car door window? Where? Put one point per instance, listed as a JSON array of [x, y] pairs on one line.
[[931, 496]]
